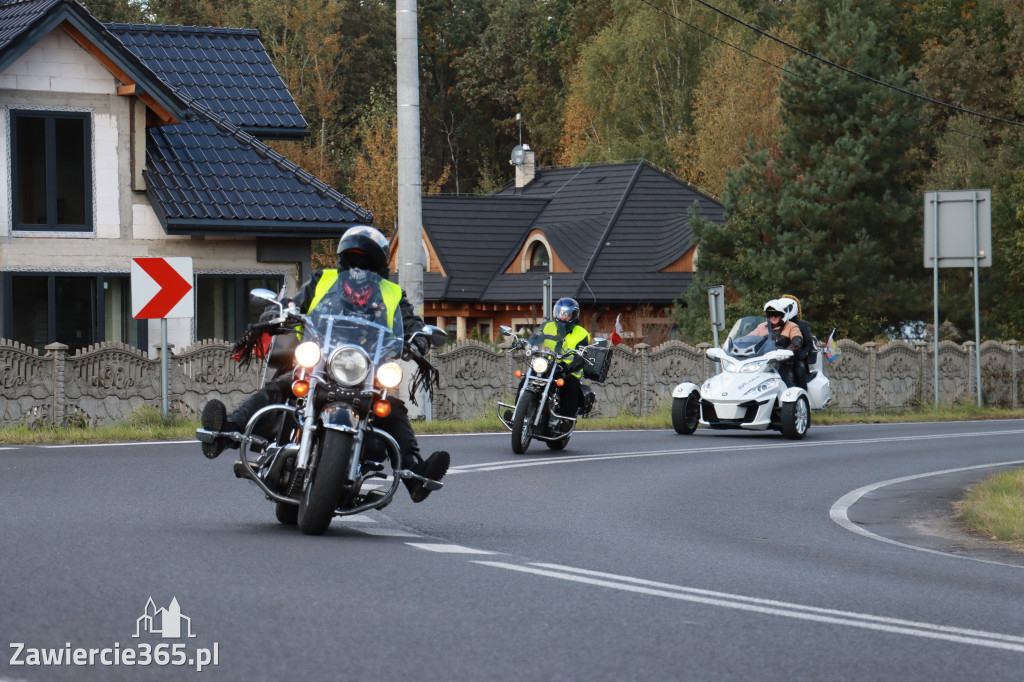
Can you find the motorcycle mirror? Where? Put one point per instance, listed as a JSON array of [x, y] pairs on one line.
[[505, 330], [716, 353], [263, 295], [599, 341], [438, 337]]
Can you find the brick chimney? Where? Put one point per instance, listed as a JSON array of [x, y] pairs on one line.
[[526, 170]]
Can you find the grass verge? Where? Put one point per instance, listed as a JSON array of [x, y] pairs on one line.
[[994, 508]]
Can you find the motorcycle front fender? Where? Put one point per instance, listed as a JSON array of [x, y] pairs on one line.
[[791, 394], [340, 415], [684, 389]]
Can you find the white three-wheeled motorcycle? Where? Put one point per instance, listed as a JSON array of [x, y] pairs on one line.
[[748, 392]]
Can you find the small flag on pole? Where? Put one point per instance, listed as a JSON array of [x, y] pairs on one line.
[[617, 332], [831, 348]]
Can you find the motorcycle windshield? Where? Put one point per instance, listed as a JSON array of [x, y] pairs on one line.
[[749, 346], [552, 342], [360, 309]]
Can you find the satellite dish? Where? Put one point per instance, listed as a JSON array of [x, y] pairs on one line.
[[518, 155]]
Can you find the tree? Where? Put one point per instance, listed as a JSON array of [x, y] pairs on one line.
[[831, 215]]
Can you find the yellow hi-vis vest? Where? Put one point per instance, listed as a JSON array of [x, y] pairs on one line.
[[571, 340], [391, 292]]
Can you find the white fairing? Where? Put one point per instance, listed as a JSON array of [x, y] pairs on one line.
[[684, 389]]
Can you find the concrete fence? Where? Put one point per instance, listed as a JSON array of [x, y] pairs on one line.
[[105, 383]]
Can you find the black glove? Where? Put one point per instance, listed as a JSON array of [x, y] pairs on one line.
[[783, 342], [421, 345], [576, 365]]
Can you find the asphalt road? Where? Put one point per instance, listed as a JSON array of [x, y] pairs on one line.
[[628, 556]]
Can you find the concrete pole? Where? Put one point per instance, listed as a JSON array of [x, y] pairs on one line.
[[410, 259]]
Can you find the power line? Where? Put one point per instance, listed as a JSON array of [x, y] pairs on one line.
[[829, 63]]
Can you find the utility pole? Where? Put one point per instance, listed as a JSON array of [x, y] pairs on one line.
[[410, 214]]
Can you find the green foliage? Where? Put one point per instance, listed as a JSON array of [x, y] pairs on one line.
[[831, 216]]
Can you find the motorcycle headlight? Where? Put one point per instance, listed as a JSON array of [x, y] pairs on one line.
[[728, 365], [762, 387], [307, 354], [389, 375], [539, 365], [752, 367], [349, 365]]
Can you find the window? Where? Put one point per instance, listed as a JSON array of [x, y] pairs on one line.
[[538, 257], [51, 172], [77, 310], [223, 308]]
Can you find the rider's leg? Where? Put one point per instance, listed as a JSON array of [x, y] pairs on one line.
[[397, 425], [215, 417], [570, 393]]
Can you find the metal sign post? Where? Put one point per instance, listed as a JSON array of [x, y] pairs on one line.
[[547, 296], [716, 303], [162, 288], [958, 234]]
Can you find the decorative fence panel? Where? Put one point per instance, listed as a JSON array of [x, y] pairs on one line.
[[105, 383]]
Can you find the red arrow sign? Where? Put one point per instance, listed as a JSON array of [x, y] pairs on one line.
[[173, 287]]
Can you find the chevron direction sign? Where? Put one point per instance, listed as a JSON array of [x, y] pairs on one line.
[[161, 288]]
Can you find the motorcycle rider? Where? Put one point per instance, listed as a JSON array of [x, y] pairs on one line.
[[565, 326], [784, 332], [361, 248], [802, 365]]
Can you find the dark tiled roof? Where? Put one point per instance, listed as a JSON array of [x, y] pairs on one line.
[[204, 177], [473, 236], [614, 225], [24, 22], [226, 69], [17, 16]]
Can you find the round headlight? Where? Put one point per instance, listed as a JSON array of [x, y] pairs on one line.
[[307, 354], [349, 365], [540, 365], [389, 375]]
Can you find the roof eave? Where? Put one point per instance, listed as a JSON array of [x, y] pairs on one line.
[[254, 228]]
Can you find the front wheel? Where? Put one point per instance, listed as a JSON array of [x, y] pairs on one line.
[[522, 422], [795, 419], [328, 487], [686, 413]]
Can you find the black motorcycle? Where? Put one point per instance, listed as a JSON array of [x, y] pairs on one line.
[[327, 459], [536, 413]]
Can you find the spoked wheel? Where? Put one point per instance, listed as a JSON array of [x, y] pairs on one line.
[[327, 489], [522, 423], [686, 413], [795, 418]]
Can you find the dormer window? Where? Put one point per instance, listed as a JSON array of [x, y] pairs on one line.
[[539, 259]]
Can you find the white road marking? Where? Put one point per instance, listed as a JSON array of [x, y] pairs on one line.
[[447, 548], [993, 640], [840, 510], [389, 532], [787, 444]]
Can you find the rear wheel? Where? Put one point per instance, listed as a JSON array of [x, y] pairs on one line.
[[686, 413], [795, 418], [327, 489], [522, 422], [288, 514], [560, 443]]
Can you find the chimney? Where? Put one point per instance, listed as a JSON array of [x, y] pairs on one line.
[[527, 168]]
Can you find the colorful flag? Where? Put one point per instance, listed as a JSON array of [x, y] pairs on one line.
[[617, 332], [831, 348]]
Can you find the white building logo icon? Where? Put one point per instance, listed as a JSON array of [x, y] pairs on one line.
[[164, 622]]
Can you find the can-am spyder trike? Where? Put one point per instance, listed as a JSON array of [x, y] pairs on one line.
[[536, 412], [749, 393], [327, 458]]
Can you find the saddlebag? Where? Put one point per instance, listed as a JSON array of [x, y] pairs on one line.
[[601, 355]]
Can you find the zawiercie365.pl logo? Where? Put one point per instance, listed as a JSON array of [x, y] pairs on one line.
[[168, 623]]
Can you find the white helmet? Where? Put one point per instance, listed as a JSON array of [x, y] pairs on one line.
[[785, 306]]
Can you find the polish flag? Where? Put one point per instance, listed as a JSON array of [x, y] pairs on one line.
[[617, 332]]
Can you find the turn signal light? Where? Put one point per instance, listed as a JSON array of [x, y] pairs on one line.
[[559, 382], [382, 408], [518, 374], [300, 388]]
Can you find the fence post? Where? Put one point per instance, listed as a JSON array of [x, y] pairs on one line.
[[1013, 372], [922, 361], [503, 349], [872, 356], [57, 351], [642, 347]]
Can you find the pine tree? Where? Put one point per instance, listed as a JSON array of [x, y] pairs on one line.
[[832, 214]]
